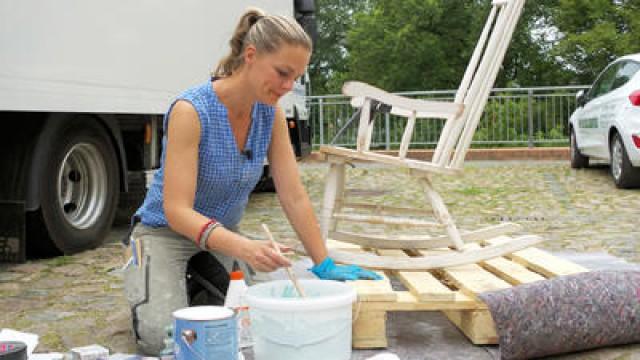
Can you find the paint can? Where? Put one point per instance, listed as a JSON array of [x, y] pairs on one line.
[[13, 350], [205, 332]]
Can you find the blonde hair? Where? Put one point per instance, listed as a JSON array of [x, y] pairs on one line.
[[266, 32]]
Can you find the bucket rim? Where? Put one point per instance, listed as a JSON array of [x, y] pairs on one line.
[[296, 304], [203, 313]]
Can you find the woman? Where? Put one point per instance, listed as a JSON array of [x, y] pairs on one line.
[[217, 137]]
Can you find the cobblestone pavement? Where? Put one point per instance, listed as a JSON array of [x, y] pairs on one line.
[[77, 300]]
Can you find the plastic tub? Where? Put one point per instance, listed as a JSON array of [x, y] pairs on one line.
[[293, 328]]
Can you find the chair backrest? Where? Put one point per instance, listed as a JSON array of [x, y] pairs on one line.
[[471, 97], [477, 82]]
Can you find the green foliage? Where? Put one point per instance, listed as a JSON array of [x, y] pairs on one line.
[[335, 18], [412, 44], [425, 44], [595, 32]]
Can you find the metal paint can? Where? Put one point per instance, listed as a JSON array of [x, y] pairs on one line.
[[205, 332], [13, 350]]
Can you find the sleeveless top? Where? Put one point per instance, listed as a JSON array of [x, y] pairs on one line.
[[226, 176]]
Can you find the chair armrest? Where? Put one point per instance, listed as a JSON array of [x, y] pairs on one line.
[[401, 105]]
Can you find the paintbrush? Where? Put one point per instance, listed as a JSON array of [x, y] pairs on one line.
[[292, 275]]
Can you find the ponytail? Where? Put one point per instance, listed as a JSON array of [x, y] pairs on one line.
[[266, 32]]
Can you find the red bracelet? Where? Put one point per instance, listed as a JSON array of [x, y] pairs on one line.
[[204, 227]]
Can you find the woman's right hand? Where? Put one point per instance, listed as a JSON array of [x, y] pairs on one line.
[[261, 256]]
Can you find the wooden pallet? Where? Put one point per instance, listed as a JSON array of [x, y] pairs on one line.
[[451, 290]]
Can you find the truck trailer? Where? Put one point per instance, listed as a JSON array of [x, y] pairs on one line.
[[84, 85]]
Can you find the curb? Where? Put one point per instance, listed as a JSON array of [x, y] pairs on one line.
[[499, 154]]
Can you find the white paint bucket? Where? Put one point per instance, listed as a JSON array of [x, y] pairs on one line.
[[205, 332], [317, 327]]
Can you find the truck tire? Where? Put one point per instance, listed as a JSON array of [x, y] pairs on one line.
[[79, 189]]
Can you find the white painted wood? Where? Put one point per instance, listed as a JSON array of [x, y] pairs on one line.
[[441, 213], [488, 70], [462, 117], [388, 220], [435, 109], [388, 159], [363, 128], [434, 262], [330, 193], [379, 209], [406, 137], [421, 241]]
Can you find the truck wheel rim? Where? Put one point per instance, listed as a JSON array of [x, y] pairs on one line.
[[82, 185], [616, 159]]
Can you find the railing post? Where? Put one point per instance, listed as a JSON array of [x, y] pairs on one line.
[[321, 120], [387, 129], [530, 116]]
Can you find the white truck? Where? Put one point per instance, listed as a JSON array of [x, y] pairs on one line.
[[83, 88]]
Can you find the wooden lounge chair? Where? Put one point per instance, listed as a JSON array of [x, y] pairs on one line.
[[461, 119]]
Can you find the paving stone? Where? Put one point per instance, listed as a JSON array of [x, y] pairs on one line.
[[72, 270], [29, 268], [10, 276]]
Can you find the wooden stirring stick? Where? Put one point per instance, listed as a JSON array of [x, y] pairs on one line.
[[292, 275]]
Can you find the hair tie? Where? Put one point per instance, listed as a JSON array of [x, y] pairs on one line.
[[255, 19]]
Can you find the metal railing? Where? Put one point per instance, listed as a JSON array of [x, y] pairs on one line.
[[530, 117]]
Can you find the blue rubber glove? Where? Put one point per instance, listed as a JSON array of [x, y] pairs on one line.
[[328, 270]]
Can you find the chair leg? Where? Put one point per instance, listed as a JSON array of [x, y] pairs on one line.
[[333, 192], [441, 213]]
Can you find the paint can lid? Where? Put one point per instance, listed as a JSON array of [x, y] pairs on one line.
[[202, 313]]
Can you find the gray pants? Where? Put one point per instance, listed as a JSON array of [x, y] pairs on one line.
[[156, 287]]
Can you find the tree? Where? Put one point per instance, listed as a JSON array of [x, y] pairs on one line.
[[595, 32], [412, 44], [335, 18]]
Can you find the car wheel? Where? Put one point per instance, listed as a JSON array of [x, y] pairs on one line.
[[578, 160], [80, 196], [624, 174]]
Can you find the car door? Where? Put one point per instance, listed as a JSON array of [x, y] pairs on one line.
[[615, 101], [588, 121]]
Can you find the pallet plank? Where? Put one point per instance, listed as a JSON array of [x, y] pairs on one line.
[[427, 292], [540, 260], [471, 279], [423, 285], [510, 271]]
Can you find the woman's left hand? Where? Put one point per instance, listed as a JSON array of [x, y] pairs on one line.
[[328, 270]]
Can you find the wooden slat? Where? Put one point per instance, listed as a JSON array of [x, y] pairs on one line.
[[429, 108], [379, 208], [388, 159], [433, 262], [508, 270], [341, 245], [368, 290], [407, 302], [471, 279], [540, 260], [389, 220], [423, 285], [420, 241]]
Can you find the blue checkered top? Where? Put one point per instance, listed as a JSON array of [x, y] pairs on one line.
[[226, 176]]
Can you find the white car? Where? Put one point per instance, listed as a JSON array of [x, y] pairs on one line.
[[606, 124]]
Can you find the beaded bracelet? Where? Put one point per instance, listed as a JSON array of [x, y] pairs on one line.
[[205, 235]]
